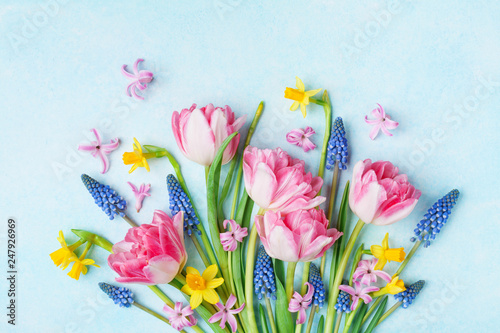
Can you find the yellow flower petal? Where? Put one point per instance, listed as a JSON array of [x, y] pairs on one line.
[[311, 93], [192, 270], [196, 299], [303, 109], [138, 145], [135, 166], [385, 241], [187, 290], [395, 254], [295, 106], [380, 264], [299, 84], [145, 163], [377, 251], [210, 296], [215, 283], [210, 273]]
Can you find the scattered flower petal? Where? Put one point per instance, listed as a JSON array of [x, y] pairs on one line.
[[300, 137], [140, 194], [382, 122], [99, 150], [139, 79]]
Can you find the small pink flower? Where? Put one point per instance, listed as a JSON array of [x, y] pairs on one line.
[[140, 194], [366, 270], [382, 122], [230, 238], [97, 149], [300, 304], [139, 79], [180, 317], [358, 292], [300, 137], [225, 314]]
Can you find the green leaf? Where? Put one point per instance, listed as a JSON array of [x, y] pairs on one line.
[[342, 222], [94, 239], [356, 325], [263, 320], [377, 315], [321, 324], [154, 149], [279, 269], [355, 261], [284, 320], [227, 183]]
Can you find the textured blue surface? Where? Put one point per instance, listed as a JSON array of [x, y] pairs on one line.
[[433, 65]]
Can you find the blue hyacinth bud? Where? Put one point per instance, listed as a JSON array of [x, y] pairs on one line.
[[179, 201], [105, 197], [319, 288], [121, 296], [409, 295], [263, 275], [435, 219], [343, 302], [337, 146]]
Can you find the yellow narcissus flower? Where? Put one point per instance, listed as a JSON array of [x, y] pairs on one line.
[[300, 96], [61, 257], [80, 266], [201, 287], [137, 157], [384, 253], [394, 287]]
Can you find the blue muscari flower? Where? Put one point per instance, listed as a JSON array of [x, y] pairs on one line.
[[263, 275], [319, 289], [105, 197], [343, 302], [409, 295], [179, 201], [435, 219], [337, 146], [121, 296]]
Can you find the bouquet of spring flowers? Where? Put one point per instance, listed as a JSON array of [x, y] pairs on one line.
[[250, 260]]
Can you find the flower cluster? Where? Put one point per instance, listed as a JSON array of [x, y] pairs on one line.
[[319, 289], [121, 296], [343, 302], [337, 146], [264, 281], [108, 199], [409, 295], [436, 218], [179, 201]]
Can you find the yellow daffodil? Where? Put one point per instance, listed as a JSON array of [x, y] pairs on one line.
[[384, 253], [61, 257], [300, 96], [137, 157], [201, 287], [80, 266], [394, 287]]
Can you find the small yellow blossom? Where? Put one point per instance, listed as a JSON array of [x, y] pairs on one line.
[[201, 287], [300, 96], [61, 257], [80, 266], [394, 287], [137, 157], [384, 253]]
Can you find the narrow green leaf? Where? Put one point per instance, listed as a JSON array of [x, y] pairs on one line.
[[321, 324], [356, 325], [355, 261], [227, 183], [377, 315], [342, 223], [279, 269], [284, 320], [263, 320]]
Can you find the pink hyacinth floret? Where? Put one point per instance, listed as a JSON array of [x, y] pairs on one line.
[[140, 194], [358, 292], [180, 317], [139, 79], [367, 274], [300, 303], [99, 150], [226, 315], [230, 239], [382, 122], [300, 137]]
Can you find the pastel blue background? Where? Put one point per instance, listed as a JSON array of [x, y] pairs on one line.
[[427, 62]]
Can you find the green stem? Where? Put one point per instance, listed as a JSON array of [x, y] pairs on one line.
[[251, 130], [328, 120], [408, 257], [331, 206], [85, 251], [305, 277], [351, 317], [391, 310], [162, 296], [337, 321], [311, 318], [334, 290], [371, 309], [129, 221], [270, 315], [357, 258], [252, 241], [198, 247], [290, 274]]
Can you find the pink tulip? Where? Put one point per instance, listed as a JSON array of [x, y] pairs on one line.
[[200, 132], [151, 253], [299, 236], [277, 182], [379, 195]]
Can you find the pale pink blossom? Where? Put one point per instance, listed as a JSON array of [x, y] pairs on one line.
[[225, 314], [180, 317], [382, 122], [300, 303], [300, 137], [301, 235], [368, 274], [139, 79], [100, 150], [379, 194], [140, 194], [230, 239], [358, 292], [277, 182], [199, 133]]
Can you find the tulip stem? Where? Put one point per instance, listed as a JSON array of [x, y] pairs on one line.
[[270, 314], [338, 320], [371, 309], [290, 274], [251, 130], [162, 296], [311, 318], [334, 289], [408, 257], [200, 250], [391, 310], [331, 206], [250, 262], [129, 221]]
